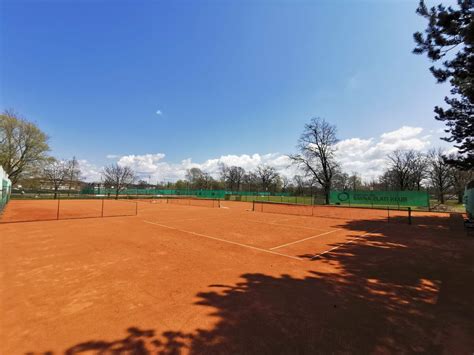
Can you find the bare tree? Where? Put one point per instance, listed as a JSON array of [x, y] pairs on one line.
[[223, 172], [317, 149], [407, 169], [387, 181], [300, 184], [118, 177], [285, 183], [459, 179], [232, 176], [419, 170], [55, 173], [341, 181], [267, 175], [74, 173], [355, 182], [198, 178], [23, 145], [400, 168], [250, 181], [439, 173]]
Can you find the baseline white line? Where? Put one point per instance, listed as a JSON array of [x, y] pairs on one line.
[[304, 239], [348, 242], [225, 241]]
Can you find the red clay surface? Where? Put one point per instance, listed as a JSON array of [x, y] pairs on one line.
[[188, 279], [45, 210]]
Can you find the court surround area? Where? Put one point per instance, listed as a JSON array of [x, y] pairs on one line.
[[232, 277]]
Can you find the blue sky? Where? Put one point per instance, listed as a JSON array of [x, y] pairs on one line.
[[229, 77]]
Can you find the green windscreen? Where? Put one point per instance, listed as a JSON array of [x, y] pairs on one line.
[[380, 198], [5, 189], [469, 202]]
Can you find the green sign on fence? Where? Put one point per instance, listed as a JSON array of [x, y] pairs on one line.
[[380, 198]]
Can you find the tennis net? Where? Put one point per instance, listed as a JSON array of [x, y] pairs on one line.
[[336, 212], [183, 201]]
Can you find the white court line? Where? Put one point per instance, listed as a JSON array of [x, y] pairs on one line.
[[348, 242], [248, 220], [225, 241], [285, 225], [302, 240], [192, 219]]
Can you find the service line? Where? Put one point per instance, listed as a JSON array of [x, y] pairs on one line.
[[304, 239], [348, 242], [225, 241]]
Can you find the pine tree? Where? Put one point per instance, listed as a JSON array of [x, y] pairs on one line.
[[450, 37]]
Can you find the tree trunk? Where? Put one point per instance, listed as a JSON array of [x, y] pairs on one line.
[[116, 194], [326, 194], [441, 197], [460, 196]]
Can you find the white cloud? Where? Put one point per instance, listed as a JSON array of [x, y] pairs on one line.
[[366, 156], [112, 156], [155, 167], [159, 113], [89, 172]]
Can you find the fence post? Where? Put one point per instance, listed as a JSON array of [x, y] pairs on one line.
[[253, 206], [136, 208], [388, 214], [57, 214], [102, 213]]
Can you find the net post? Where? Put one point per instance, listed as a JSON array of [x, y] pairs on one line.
[[136, 208], [102, 212], [57, 213], [253, 206], [388, 214], [409, 215]]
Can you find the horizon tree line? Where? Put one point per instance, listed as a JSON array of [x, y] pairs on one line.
[[24, 148]]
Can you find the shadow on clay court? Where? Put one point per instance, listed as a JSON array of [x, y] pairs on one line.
[[403, 289]]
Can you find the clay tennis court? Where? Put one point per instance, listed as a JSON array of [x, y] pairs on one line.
[[191, 277]]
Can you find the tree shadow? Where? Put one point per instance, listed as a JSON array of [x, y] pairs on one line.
[[403, 289]]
